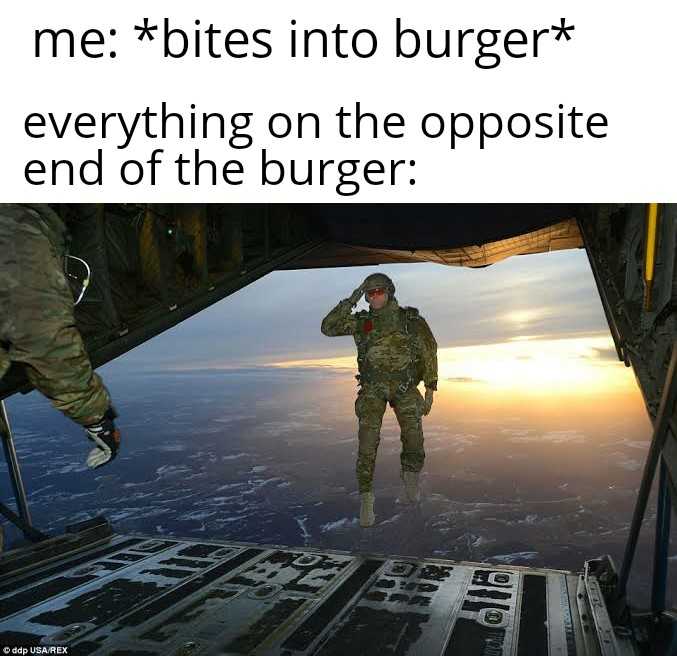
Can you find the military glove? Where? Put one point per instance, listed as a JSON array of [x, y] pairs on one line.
[[428, 401], [357, 295], [106, 439]]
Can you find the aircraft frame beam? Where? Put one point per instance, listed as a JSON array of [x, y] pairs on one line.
[[661, 428], [14, 469], [619, 342], [662, 541]]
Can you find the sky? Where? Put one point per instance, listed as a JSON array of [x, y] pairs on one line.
[[530, 327], [550, 296]]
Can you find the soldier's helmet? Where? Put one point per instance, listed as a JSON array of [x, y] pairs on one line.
[[379, 281]]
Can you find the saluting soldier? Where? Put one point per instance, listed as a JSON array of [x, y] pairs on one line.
[[396, 350]]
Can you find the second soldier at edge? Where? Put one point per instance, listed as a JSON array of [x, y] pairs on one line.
[[396, 350]]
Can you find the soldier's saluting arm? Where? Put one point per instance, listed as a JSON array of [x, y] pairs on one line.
[[427, 348], [341, 320]]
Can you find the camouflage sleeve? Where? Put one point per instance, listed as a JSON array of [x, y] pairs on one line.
[[5, 362], [340, 320], [42, 334], [428, 350]]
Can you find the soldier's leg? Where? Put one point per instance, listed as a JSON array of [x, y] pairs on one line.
[[408, 410], [369, 408], [42, 333]]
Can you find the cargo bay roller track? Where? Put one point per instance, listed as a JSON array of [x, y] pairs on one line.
[[156, 265]]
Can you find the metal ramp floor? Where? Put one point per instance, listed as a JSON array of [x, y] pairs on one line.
[[130, 595]]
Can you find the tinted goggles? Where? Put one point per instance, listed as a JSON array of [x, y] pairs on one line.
[[377, 291]]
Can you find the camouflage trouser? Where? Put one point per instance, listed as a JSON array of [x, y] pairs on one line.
[[37, 327], [369, 408]]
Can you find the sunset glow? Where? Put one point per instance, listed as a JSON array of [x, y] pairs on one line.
[[533, 366]]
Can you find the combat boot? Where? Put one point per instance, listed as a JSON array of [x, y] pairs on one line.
[[367, 517], [411, 488]]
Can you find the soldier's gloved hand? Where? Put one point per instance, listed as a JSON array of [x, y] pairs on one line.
[[428, 401], [357, 295], [106, 439]]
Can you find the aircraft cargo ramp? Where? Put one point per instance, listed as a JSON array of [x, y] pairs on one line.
[[97, 592]]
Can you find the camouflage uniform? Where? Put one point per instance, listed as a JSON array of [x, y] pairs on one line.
[[37, 326], [396, 350]]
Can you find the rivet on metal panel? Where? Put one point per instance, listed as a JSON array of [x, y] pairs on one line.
[[148, 546], [264, 591], [66, 634], [187, 648], [400, 569], [90, 569], [307, 559], [222, 552]]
